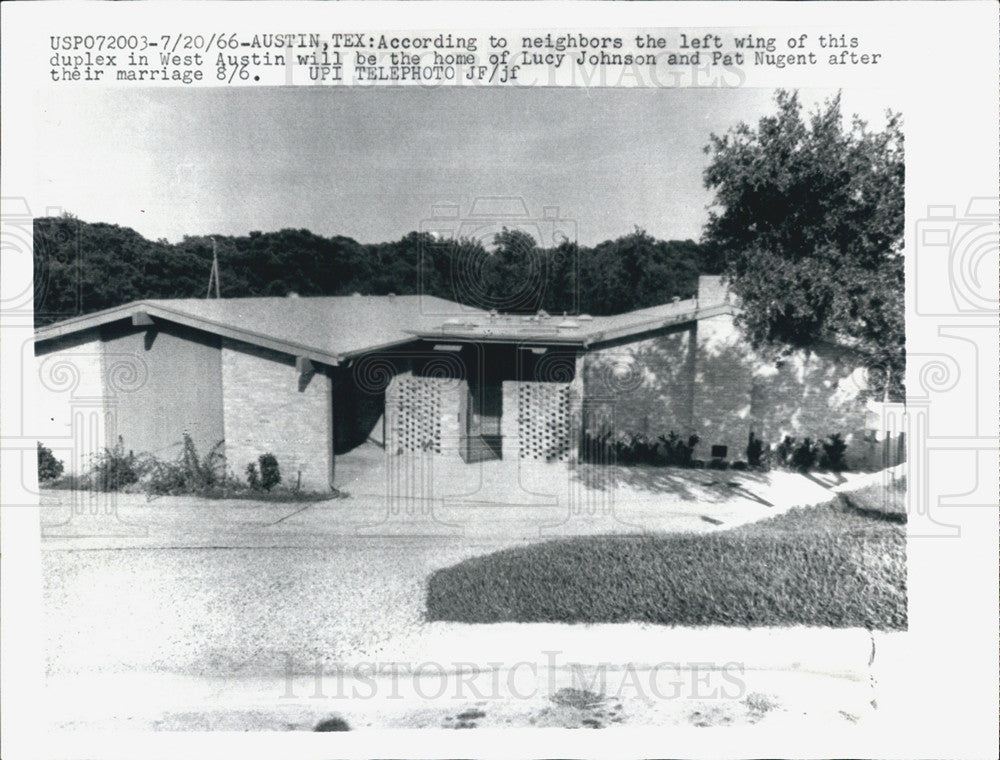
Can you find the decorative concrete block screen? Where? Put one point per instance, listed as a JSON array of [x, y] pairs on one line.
[[415, 409], [543, 421]]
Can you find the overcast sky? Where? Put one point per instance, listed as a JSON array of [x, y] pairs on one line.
[[372, 163]]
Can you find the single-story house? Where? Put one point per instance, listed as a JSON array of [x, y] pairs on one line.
[[310, 378]]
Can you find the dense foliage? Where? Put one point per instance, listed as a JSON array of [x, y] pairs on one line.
[[83, 267], [809, 214], [49, 468], [830, 565]]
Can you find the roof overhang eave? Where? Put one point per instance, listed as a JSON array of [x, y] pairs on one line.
[[92, 321]]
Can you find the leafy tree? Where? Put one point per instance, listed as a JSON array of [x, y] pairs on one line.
[[49, 468], [809, 213], [83, 267]]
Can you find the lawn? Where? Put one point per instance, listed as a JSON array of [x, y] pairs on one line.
[[829, 565]]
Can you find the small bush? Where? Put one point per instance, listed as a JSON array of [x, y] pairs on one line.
[[188, 474], [332, 724], [253, 477], [114, 469], [740, 465], [49, 468], [718, 463], [804, 456], [834, 449], [676, 451], [270, 474], [755, 451], [785, 451], [634, 448]]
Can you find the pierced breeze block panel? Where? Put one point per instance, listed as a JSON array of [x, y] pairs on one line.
[[543, 421], [415, 408]]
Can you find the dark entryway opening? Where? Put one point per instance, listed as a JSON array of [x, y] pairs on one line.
[[358, 414], [482, 440], [482, 408]]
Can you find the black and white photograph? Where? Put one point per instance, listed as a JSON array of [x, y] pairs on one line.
[[404, 406]]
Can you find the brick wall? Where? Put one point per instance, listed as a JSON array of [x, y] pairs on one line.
[[723, 383], [810, 394], [268, 409], [644, 386]]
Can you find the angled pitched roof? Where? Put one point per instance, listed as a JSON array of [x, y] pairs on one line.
[[325, 328], [330, 329]]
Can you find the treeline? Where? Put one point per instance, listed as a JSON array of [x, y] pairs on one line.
[[83, 267]]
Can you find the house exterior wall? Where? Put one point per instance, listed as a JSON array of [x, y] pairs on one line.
[[804, 393], [723, 381], [643, 386], [269, 408], [812, 394], [706, 379], [71, 400], [164, 383]]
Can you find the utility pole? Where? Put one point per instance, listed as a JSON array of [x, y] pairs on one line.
[[213, 276]]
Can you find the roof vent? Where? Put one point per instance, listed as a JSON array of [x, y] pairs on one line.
[[392, 295], [355, 295], [585, 318], [292, 294]]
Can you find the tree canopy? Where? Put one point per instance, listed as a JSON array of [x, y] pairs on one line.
[[82, 267], [808, 213]]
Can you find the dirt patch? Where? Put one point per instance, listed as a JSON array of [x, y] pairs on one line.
[[578, 708]]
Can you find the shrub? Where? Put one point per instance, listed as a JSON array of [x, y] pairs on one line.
[[641, 450], [114, 469], [804, 456], [594, 448], [677, 451], [717, 463], [755, 451], [785, 450], [188, 474], [253, 477], [49, 468], [270, 474], [335, 723], [832, 457]]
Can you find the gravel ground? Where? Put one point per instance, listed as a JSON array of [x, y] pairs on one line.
[[229, 611], [186, 614]]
